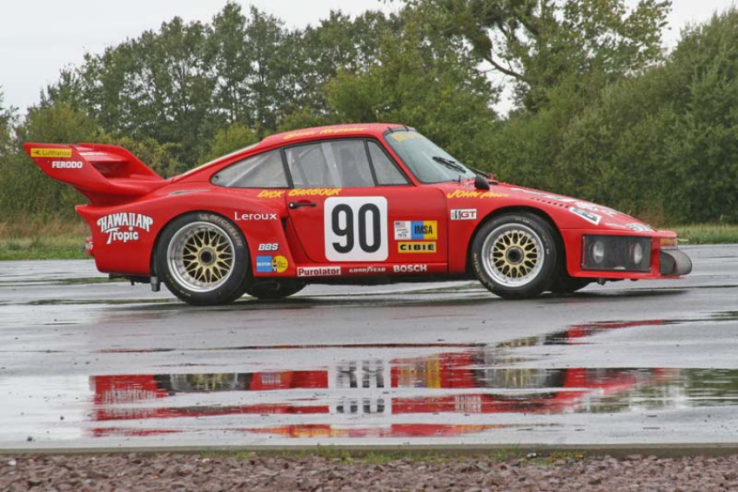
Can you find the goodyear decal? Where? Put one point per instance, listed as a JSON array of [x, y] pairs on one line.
[[59, 153], [271, 264], [474, 194], [416, 247], [315, 192]]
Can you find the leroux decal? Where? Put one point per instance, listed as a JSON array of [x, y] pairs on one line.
[[246, 217], [114, 226]]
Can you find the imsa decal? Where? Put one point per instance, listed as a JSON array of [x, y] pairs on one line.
[[418, 230]]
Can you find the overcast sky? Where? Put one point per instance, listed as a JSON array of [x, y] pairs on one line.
[[39, 37]]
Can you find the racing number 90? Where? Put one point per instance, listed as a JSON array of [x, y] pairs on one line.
[[348, 231], [356, 228]]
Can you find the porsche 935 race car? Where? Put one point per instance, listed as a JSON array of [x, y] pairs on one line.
[[351, 204]]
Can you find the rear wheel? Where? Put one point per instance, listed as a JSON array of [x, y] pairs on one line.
[[203, 259], [515, 255], [274, 289]]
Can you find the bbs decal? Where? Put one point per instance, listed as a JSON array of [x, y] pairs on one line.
[[356, 229]]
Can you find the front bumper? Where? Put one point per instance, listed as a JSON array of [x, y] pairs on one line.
[[674, 263]]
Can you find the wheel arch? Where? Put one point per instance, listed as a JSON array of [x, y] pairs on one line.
[[512, 209]]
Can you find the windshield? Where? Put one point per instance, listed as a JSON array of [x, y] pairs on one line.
[[427, 161]]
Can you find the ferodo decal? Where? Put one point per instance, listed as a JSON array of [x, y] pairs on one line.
[[60, 153], [124, 226], [419, 229], [416, 247], [355, 228], [586, 215], [410, 268], [271, 264], [238, 217], [66, 165], [325, 271], [464, 214], [270, 194], [474, 194], [315, 192]]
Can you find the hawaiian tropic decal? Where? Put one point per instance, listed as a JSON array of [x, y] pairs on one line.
[[124, 226]]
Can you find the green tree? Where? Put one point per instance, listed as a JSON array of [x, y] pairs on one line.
[[228, 140]]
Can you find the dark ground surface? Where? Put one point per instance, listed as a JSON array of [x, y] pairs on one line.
[[252, 473]]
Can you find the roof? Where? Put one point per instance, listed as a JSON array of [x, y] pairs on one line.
[[350, 130]]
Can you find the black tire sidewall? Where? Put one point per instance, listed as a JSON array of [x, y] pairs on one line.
[[232, 288], [550, 250]]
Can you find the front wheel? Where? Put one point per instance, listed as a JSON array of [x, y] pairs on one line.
[[274, 289], [515, 255], [203, 259]]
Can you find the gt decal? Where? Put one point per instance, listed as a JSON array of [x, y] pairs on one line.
[[315, 192], [586, 215], [416, 247], [356, 229], [269, 247], [271, 264], [60, 153], [464, 214], [474, 194], [326, 271], [423, 229], [66, 165], [270, 194]]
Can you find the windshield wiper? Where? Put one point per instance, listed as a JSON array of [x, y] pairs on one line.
[[450, 164]]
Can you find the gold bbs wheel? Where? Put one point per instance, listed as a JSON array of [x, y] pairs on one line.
[[201, 256], [513, 255]]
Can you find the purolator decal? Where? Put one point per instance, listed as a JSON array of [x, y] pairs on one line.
[[474, 194], [326, 271], [124, 226]]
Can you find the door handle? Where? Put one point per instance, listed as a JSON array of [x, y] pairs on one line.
[[294, 205]]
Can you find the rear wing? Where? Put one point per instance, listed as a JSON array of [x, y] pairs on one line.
[[105, 174]]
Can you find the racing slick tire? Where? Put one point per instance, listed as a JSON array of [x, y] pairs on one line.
[[568, 285], [203, 259], [273, 289], [515, 255]]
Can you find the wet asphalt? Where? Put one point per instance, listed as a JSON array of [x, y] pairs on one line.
[[91, 363]]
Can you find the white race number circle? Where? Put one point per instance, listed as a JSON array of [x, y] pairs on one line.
[[356, 228]]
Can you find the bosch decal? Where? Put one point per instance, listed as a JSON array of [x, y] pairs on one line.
[[122, 227], [410, 268]]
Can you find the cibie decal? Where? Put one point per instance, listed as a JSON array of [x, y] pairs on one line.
[[271, 264], [124, 226], [326, 271], [247, 217], [410, 268], [586, 215], [464, 214], [418, 229], [416, 247], [270, 194], [474, 194], [315, 192], [59, 153], [66, 165]]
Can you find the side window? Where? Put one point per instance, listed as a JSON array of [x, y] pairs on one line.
[[330, 164], [260, 171], [387, 172]]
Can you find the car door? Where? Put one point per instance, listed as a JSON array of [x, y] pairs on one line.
[[352, 204]]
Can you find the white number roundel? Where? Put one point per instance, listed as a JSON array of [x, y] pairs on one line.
[[356, 228]]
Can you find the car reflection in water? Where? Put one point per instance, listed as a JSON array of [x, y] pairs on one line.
[[398, 394]]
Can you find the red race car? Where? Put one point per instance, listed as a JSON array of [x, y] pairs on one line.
[[351, 204]]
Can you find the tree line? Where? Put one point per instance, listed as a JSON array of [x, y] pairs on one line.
[[601, 110]]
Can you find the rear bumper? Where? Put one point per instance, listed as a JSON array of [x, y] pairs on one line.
[[674, 263]]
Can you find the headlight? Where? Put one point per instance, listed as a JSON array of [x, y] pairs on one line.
[[616, 253]]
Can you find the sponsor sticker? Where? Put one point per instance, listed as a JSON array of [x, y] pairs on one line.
[[270, 194], [271, 264], [326, 131], [416, 247], [638, 227], [314, 192], [586, 215], [124, 226], [464, 214], [420, 268], [66, 165], [248, 217], [325, 271], [60, 153], [368, 270], [268, 246], [417, 229], [474, 194]]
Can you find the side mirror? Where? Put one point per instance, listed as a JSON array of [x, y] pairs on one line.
[[480, 183]]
